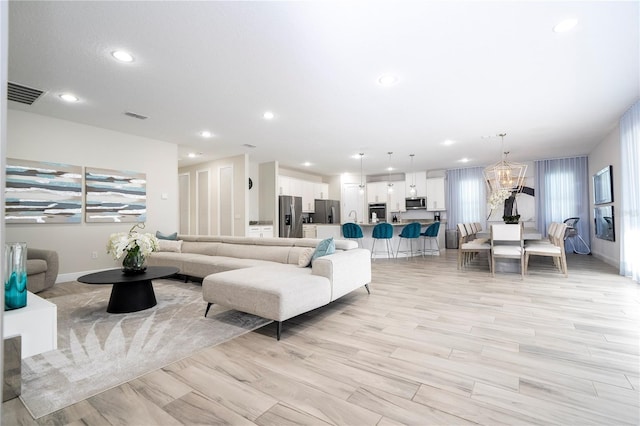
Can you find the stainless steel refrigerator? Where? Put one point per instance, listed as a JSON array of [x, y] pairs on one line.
[[290, 212], [327, 211]]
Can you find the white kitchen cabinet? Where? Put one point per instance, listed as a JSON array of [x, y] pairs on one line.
[[309, 231], [260, 231], [377, 192], [321, 191], [436, 194], [420, 182], [328, 231], [308, 197], [284, 185], [396, 201]]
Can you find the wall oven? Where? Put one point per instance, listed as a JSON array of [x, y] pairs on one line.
[[415, 203]]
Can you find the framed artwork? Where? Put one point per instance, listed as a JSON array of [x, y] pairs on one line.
[[603, 186], [115, 196], [42, 192], [605, 225]]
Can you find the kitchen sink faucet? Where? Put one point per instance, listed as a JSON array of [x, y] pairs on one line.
[[355, 215]]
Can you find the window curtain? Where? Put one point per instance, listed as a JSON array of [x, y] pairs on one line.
[[562, 191], [629, 217], [466, 197]]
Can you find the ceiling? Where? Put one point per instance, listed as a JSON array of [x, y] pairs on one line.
[[466, 71]]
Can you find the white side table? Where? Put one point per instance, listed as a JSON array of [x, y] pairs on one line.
[[37, 323]]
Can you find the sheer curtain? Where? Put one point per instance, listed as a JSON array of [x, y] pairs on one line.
[[466, 197], [630, 200], [562, 191]]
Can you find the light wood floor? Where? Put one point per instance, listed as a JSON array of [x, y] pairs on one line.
[[430, 345]]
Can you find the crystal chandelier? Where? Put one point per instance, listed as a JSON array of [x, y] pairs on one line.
[[505, 175], [361, 186], [412, 187]]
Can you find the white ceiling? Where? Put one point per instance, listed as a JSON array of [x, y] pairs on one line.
[[466, 70]]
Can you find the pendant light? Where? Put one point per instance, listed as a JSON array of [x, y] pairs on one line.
[[389, 183], [412, 187], [362, 185], [505, 175]]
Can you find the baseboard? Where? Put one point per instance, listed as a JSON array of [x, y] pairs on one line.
[[607, 260], [73, 276]]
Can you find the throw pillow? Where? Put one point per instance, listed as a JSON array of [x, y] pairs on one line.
[[305, 258], [324, 248], [161, 236], [169, 245]]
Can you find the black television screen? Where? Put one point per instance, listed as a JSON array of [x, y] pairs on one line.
[[603, 186]]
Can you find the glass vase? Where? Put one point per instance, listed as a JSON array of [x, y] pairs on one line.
[[133, 262], [15, 278]]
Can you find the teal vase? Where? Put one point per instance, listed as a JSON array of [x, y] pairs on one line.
[[15, 279]]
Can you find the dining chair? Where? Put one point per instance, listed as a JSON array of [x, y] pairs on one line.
[[382, 231], [556, 250], [410, 232], [571, 234], [507, 243], [352, 231], [468, 249], [431, 234]]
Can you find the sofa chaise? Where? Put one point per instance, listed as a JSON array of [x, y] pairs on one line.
[[264, 276]]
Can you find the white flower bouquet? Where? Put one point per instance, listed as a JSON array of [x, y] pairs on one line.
[[132, 242], [496, 198]]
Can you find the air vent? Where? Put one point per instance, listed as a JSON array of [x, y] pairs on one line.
[[134, 115], [248, 145], [23, 94]]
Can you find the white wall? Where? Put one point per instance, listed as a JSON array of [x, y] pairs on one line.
[[605, 154], [39, 138]]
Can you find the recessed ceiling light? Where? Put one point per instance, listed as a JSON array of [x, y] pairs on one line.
[[464, 160], [306, 164], [566, 25], [387, 80], [447, 142], [268, 115], [389, 169], [206, 134], [122, 56], [68, 97], [194, 154]]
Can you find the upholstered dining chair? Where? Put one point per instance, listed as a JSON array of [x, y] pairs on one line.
[[410, 232], [506, 242], [555, 250], [468, 249], [352, 231], [382, 231], [431, 234]]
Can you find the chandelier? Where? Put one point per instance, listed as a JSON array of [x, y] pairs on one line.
[[389, 183], [361, 186], [505, 175], [412, 187]]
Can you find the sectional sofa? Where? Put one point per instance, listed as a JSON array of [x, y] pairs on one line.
[[267, 277]]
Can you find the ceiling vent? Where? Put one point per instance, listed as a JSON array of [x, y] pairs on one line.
[[134, 115], [23, 94], [248, 145]]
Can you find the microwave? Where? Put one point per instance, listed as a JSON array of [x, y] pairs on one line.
[[415, 203]]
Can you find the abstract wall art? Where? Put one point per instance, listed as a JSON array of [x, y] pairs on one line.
[[115, 196], [42, 192]]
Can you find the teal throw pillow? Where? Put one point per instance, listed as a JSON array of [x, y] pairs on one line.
[[324, 248], [161, 236]]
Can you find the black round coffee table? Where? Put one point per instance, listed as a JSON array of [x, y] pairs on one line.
[[130, 292]]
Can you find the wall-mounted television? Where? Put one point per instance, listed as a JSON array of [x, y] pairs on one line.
[[603, 186]]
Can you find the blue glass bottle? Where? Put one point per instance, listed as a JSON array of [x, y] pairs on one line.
[[15, 281]]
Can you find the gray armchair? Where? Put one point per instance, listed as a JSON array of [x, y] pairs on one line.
[[42, 269]]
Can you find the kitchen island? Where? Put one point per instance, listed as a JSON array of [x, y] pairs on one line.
[[367, 229]]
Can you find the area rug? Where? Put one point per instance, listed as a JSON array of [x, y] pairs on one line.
[[98, 351]]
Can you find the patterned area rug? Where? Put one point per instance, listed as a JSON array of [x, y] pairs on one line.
[[98, 351]]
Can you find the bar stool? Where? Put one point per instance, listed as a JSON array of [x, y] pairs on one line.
[[352, 231], [382, 231], [431, 234], [411, 232]]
